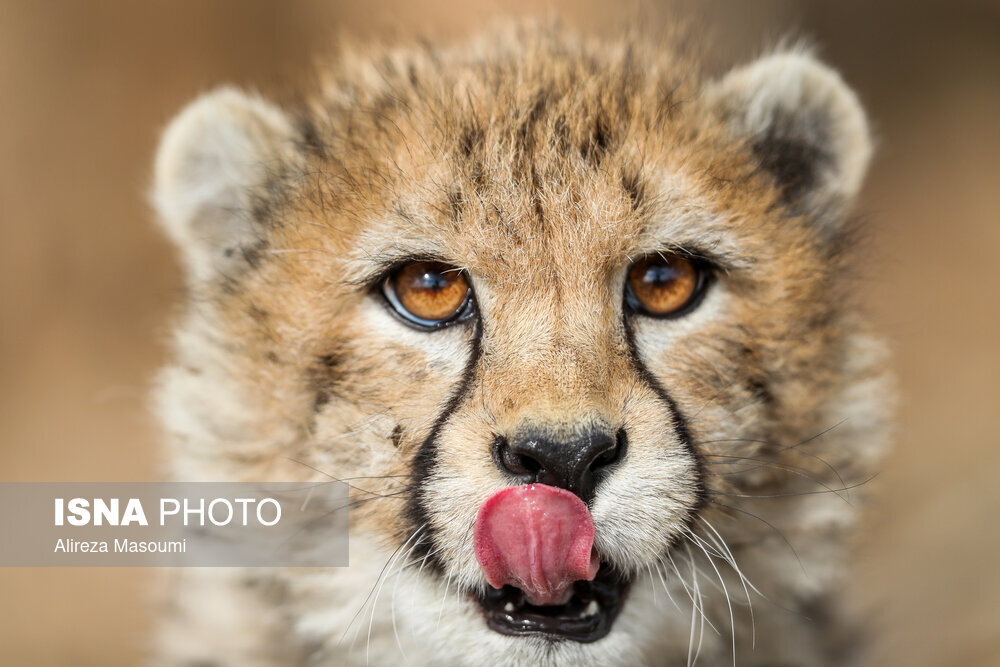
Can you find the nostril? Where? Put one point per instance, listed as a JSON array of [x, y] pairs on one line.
[[612, 455], [515, 463], [528, 464]]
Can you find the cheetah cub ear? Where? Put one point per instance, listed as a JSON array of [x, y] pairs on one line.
[[219, 166], [805, 126]]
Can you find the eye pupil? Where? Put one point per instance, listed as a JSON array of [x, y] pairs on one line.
[[663, 284], [659, 275], [431, 281], [427, 294]]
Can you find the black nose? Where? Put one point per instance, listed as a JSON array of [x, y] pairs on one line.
[[575, 464]]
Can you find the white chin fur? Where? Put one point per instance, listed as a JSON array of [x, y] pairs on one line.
[[422, 618]]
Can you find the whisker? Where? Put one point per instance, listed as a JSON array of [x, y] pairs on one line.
[[660, 572], [447, 584], [781, 447], [769, 525], [652, 584], [395, 586], [793, 495], [365, 603], [725, 590], [338, 479], [755, 463], [745, 582], [371, 618], [687, 587], [701, 607]]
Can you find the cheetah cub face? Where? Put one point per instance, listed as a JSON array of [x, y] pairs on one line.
[[573, 323]]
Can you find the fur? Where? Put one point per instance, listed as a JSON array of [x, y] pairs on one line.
[[542, 164]]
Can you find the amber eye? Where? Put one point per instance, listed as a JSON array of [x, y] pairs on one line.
[[428, 294], [663, 285]]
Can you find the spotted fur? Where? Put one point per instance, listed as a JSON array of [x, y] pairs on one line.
[[542, 164]]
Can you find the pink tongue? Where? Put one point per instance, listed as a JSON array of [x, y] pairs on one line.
[[538, 538]]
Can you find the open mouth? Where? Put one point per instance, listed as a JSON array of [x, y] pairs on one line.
[[586, 617]]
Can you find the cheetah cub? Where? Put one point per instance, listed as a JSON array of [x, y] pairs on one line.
[[576, 323]]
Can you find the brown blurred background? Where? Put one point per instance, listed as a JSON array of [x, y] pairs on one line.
[[87, 283]]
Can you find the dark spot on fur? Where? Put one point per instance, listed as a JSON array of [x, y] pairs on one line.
[[524, 138], [309, 136], [320, 400], [669, 104], [323, 377], [756, 383], [456, 203], [258, 314], [560, 138], [268, 200], [470, 140], [634, 188], [536, 193], [469, 153], [396, 436], [760, 389], [252, 255], [271, 356], [261, 209], [596, 145], [330, 360], [228, 285], [792, 156]]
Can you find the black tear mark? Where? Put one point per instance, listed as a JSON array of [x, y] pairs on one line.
[[679, 422], [426, 457]]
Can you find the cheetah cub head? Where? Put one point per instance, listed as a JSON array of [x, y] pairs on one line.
[[573, 323]]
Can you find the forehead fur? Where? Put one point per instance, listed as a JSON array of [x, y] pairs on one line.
[[532, 151]]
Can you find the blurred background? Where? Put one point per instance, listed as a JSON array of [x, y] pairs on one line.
[[87, 283]]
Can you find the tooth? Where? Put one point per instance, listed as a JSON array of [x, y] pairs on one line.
[[591, 608], [509, 606]]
